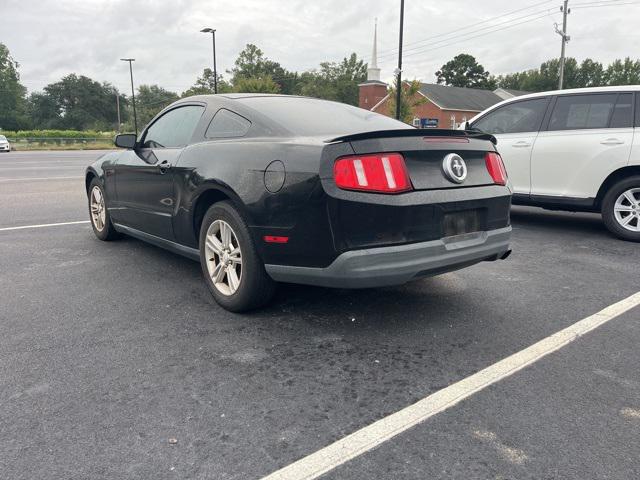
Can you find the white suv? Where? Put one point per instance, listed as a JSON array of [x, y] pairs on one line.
[[575, 150]]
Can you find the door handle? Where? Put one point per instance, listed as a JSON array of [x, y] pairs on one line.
[[164, 166], [521, 144], [612, 141]]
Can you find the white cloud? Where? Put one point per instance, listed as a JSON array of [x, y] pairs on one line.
[[52, 38]]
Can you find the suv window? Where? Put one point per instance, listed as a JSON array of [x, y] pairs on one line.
[[622, 112], [173, 129], [226, 124], [575, 112], [516, 117]]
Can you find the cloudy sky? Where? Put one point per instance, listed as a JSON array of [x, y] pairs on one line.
[[53, 38]]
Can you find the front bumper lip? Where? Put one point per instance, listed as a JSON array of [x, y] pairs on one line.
[[395, 265]]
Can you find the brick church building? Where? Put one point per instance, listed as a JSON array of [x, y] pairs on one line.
[[442, 107]]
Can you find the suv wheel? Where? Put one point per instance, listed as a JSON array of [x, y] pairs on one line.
[[230, 263], [621, 209]]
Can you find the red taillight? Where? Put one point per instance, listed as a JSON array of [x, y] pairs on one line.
[[378, 172], [275, 239], [496, 168]]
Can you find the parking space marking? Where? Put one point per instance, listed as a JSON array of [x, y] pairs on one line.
[[369, 437], [42, 225], [38, 178]]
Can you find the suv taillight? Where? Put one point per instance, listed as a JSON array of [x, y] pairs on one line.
[[496, 169], [376, 172]]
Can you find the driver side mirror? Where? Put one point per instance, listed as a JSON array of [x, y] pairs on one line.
[[126, 140], [465, 125]]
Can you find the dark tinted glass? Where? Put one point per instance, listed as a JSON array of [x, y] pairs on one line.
[[517, 117], [575, 112], [173, 129], [310, 116], [227, 124], [623, 111]]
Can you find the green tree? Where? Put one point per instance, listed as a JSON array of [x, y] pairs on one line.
[[590, 73], [256, 85], [251, 63], [623, 72], [150, 99], [12, 93], [335, 81], [464, 71], [205, 85], [409, 100], [82, 103], [43, 111]]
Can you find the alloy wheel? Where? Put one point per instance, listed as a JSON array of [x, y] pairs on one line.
[[627, 210], [224, 257], [98, 211]]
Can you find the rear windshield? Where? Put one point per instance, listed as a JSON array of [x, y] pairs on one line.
[[311, 117]]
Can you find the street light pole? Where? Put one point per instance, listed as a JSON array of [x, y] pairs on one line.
[[399, 69], [133, 93], [118, 108], [215, 73]]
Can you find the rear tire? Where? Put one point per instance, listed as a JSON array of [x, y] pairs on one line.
[[621, 209], [231, 266], [99, 214]]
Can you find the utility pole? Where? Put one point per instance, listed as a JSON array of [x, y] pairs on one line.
[[565, 38], [133, 93], [399, 69], [212, 31], [118, 108]]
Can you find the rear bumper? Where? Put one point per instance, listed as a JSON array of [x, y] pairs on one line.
[[384, 266]]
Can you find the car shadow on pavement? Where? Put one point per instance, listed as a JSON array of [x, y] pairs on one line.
[[576, 222]]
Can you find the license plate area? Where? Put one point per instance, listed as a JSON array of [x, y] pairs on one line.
[[459, 223]]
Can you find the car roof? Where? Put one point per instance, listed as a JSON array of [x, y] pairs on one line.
[[568, 91], [618, 88]]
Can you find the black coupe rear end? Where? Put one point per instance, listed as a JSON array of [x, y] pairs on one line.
[[264, 189]]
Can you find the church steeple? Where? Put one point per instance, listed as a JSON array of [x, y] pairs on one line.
[[373, 72]]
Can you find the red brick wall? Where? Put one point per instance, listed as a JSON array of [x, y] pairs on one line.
[[371, 94], [430, 110]]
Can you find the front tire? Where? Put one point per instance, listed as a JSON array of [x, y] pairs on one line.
[[98, 213], [231, 266], [621, 209]]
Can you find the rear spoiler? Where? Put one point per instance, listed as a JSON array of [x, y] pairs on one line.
[[416, 132]]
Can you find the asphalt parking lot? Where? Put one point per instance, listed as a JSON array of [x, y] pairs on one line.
[[109, 351]]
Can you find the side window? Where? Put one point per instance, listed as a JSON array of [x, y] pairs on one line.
[[227, 124], [173, 129], [517, 117], [623, 111], [575, 112], [637, 109]]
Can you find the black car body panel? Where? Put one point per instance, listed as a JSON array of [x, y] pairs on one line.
[[281, 181]]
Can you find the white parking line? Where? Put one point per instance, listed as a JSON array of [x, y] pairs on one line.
[[42, 225], [369, 437], [16, 179]]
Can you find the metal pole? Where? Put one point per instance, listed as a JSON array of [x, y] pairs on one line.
[[133, 97], [133, 93], [399, 78], [565, 39], [118, 108], [215, 73]]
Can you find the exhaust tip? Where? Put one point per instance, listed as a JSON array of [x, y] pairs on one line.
[[505, 255]]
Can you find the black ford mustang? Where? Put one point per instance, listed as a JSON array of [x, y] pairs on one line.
[[265, 188]]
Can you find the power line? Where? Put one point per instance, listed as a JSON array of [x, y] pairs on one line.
[[505, 23], [463, 38], [472, 25]]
